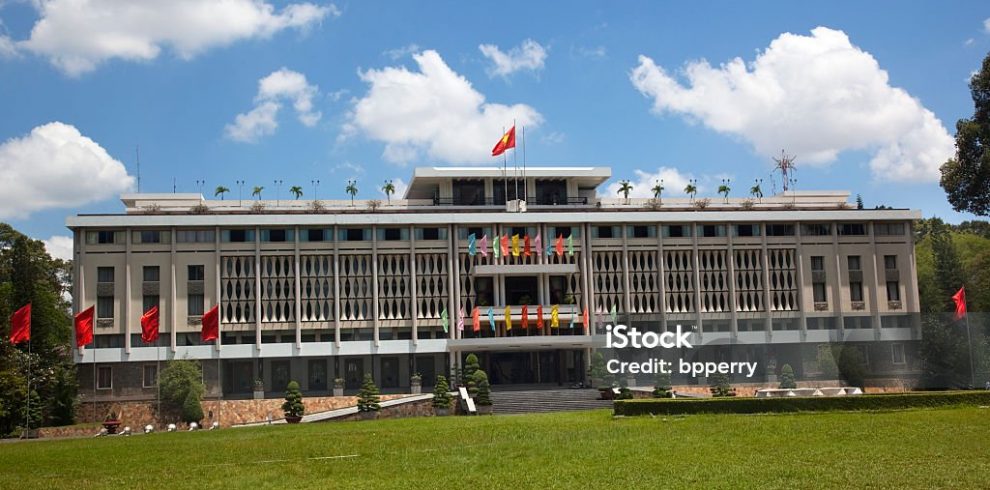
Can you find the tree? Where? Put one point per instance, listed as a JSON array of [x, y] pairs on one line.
[[483, 397], [859, 201], [368, 399], [661, 388], [756, 192], [657, 190], [257, 191], [966, 177], [625, 188], [948, 269], [32, 412], [293, 406], [192, 409], [720, 386], [388, 189], [599, 374], [296, 191], [787, 378], [179, 379], [852, 366], [441, 394], [691, 190], [351, 189], [724, 191], [220, 191], [471, 366]]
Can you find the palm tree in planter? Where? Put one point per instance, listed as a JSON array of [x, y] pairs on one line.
[[658, 191], [483, 399], [388, 189], [724, 189], [368, 400], [351, 189], [691, 190], [296, 191], [755, 191], [441, 397], [220, 191], [293, 406], [625, 188], [257, 191]]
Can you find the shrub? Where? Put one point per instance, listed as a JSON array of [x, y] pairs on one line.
[[471, 366], [368, 400], [787, 378], [826, 363], [898, 401], [483, 399], [192, 409], [441, 393], [32, 414], [293, 406], [852, 366], [662, 387], [720, 386], [599, 373], [624, 394], [179, 378]]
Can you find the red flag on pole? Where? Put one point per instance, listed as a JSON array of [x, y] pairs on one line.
[[527, 250], [559, 245], [149, 325], [476, 319], [84, 327], [960, 299], [584, 319], [507, 141], [20, 325], [525, 317], [211, 324]]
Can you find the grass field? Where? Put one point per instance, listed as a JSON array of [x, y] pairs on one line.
[[947, 448]]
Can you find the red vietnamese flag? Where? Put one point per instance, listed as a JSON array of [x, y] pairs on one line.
[[525, 316], [20, 325], [211, 324], [960, 299], [149, 325], [559, 245], [507, 141], [584, 319], [526, 246], [505, 245], [84, 327], [539, 317], [476, 319]]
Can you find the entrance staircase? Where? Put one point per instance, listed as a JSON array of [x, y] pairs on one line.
[[531, 401]]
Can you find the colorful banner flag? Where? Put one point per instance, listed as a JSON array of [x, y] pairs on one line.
[[527, 248], [554, 317], [539, 317], [496, 246], [505, 245], [524, 323], [476, 320], [538, 244], [549, 249], [559, 245], [83, 322], [484, 245], [20, 325], [960, 299], [508, 140], [460, 320], [472, 247], [508, 318], [491, 317], [211, 324], [149, 325], [573, 317], [444, 322], [515, 245], [614, 314], [584, 319], [570, 245]]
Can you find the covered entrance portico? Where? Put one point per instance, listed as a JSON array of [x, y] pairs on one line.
[[527, 361]]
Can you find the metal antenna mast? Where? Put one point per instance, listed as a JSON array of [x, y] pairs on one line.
[[786, 166]]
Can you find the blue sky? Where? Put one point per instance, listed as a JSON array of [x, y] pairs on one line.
[[173, 81]]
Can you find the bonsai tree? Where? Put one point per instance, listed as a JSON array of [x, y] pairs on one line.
[[662, 387], [483, 399], [787, 378], [368, 400], [192, 409], [293, 406], [471, 366], [296, 191], [441, 394]]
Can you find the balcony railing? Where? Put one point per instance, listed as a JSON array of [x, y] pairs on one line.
[[532, 200]]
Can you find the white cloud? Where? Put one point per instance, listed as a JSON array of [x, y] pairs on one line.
[[281, 85], [595, 53], [553, 138], [434, 111], [402, 52], [816, 96], [56, 167], [59, 247], [986, 25], [673, 183], [969, 42], [7, 47], [77, 35], [529, 55]]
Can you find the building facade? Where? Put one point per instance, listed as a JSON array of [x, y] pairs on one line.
[[312, 290]]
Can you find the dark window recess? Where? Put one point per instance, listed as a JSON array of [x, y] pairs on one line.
[[520, 230], [854, 263], [314, 235], [104, 307], [675, 231], [431, 233], [746, 230], [151, 273], [151, 237], [817, 263], [194, 305], [852, 229], [104, 237], [816, 230], [354, 234], [104, 274], [238, 235], [893, 291], [562, 231], [484, 291], [780, 230], [477, 231], [196, 272], [709, 231], [641, 232], [604, 232], [149, 301], [890, 261], [276, 235], [393, 233]]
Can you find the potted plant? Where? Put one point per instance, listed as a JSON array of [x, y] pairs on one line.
[[483, 400], [441, 397], [293, 406], [368, 400], [338, 387], [111, 421], [259, 389], [416, 384]]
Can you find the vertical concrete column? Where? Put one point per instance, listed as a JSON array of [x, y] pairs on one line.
[[79, 284], [910, 293], [837, 283], [413, 289], [456, 285], [298, 289], [173, 317], [257, 288], [217, 286], [626, 283], [697, 278], [127, 291], [767, 303], [733, 310], [662, 268], [451, 290], [799, 265], [374, 285], [877, 263], [336, 290], [589, 272], [496, 280]]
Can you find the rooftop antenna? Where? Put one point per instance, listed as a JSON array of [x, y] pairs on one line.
[[786, 166]]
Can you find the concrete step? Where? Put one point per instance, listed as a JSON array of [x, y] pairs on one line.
[[530, 401]]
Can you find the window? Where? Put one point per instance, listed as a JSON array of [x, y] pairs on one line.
[[429, 233], [854, 263], [562, 231], [818, 279], [893, 291], [314, 235], [391, 234], [195, 272], [104, 307], [484, 290], [105, 237], [855, 291], [897, 354], [150, 236], [150, 378], [151, 273], [855, 278], [238, 236], [195, 236], [353, 234], [676, 231], [889, 262], [852, 229], [748, 230], [194, 305], [780, 230], [642, 231], [277, 235], [104, 274], [520, 230], [711, 231], [888, 229], [816, 229], [149, 300], [817, 263], [477, 231], [104, 378], [604, 232]]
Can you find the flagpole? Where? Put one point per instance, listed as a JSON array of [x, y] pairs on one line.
[[158, 380], [505, 165], [515, 164], [27, 413], [972, 370], [525, 182]]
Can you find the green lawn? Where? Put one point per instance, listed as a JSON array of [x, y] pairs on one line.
[[916, 449]]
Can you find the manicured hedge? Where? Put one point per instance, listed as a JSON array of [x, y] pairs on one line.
[[681, 406]]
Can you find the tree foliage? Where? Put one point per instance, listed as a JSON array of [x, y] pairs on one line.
[[368, 399], [484, 389], [441, 393], [179, 379], [966, 177], [661, 388], [293, 405], [192, 408], [787, 378]]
